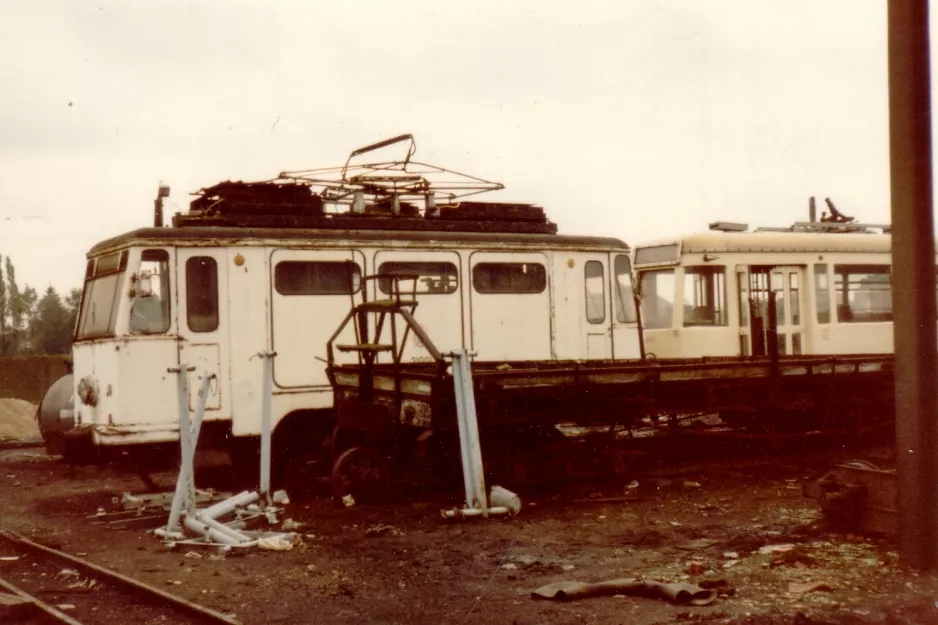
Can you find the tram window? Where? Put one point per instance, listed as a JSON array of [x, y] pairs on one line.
[[317, 277], [101, 295], [625, 298], [431, 277], [657, 254], [863, 293], [822, 298], [202, 294], [794, 302], [149, 310], [595, 286], [704, 296], [509, 278], [742, 285], [657, 298]]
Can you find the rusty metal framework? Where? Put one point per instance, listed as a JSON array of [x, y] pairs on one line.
[[384, 182], [398, 194]]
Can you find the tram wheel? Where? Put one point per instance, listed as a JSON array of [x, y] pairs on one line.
[[360, 472], [304, 476]]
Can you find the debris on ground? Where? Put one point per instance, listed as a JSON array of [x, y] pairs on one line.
[[275, 543], [806, 587], [678, 593], [380, 529]]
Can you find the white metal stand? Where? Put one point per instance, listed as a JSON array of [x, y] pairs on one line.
[[205, 523], [477, 504]]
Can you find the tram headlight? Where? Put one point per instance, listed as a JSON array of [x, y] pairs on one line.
[[88, 391]]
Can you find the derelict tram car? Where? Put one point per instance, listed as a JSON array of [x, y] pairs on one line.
[[711, 294], [267, 266]]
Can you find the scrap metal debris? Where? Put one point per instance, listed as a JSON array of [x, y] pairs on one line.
[[677, 593]]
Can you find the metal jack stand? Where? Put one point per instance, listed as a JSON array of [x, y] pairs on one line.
[[477, 504], [206, 522], [184, 497], [267, 391]]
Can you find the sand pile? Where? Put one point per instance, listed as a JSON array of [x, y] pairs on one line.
[[17, 419]]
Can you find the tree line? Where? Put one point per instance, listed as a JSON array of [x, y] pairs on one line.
[[30, 324]]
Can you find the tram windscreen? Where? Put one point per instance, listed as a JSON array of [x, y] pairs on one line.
[[625, 297], [149, 309], [657, 298], [100, 296]]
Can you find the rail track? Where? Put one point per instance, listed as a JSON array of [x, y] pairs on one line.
[[56, 587]]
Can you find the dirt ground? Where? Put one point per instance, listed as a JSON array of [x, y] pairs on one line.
[[402, 563]]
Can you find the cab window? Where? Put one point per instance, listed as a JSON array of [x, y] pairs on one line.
[[657, 288], [150, 294]]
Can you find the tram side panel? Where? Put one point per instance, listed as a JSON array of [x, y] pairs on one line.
[[511, 306], [697, 308]]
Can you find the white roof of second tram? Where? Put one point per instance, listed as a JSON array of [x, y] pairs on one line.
[[773, 241]]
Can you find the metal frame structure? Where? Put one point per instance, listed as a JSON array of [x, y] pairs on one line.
[[205, 522], [398, 180]]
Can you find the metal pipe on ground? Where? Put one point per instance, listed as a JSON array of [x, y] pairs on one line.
[[211, 533], [224, 529], [229, 505]]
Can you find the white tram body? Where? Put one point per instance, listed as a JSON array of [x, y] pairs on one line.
[[211, 295], [708, 294], [226, 295]]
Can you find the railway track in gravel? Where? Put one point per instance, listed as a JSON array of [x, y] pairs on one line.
[[55, 587]]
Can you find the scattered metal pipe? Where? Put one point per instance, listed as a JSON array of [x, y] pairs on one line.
[[229, 505], [184, 496], [211, 533]]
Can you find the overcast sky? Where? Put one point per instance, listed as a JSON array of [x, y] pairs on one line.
[[630, 118]]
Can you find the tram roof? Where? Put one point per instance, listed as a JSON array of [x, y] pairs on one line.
[[227, 236], [773, 241]]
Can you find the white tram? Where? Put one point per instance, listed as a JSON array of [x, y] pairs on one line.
[[711, 294], [276, 266]]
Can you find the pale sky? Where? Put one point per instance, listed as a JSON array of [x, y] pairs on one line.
[[630, 118]]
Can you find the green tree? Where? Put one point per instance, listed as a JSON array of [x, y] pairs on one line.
[[51, 326], [18, 313]]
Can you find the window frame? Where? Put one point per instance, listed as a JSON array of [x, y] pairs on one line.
[[159, 255], [200, 292], [352, 288], [646, 317], [845, 312], [602, 292], [713, 287], [384, 284], [105, 267], [537, 287]]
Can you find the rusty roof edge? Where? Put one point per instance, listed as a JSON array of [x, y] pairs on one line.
[[229, 235]]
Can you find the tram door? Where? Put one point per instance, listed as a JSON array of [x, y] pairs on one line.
[[203, 322], [510, 306], [764, 291]]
